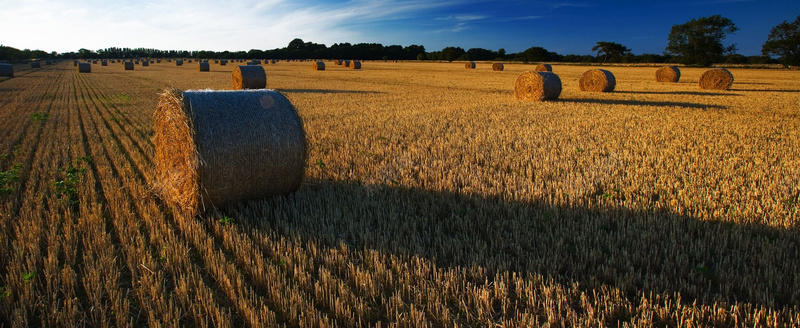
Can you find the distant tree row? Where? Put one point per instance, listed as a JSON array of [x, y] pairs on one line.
[[696, 42]]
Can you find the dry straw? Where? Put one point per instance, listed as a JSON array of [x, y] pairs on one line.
[[716, 79], [249, 77], [668, 74], [203, 66], [219, 147], [355, 64], [543, 68], [84, 68], [6, 70], [597, 80], [498, 67], [469, 65], [319, 66], [537, 86], [128, 66]]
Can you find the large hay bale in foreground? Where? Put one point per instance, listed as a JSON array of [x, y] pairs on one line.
[[128, 66], [249, 77], [319, 66], [597, 80], [179, 62], [84, 68], [469, 65], [498, 67], [214, 148], [537, 86], [6, 70], [668, 74], [716, 79], [203, 66], [543, 68]]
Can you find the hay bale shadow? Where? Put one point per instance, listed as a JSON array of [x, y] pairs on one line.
[[687, 93], [641, 103], [327, 91]]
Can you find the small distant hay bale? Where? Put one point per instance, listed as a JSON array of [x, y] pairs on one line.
[[214, 148], [190, 60], [36, 64], [498, 67], [543, 68], [75, 63], [597, 80], [203, 67], [158, 61], [537, 86], [716, 79], [346, 63], [249, 77], [178, 62], [469, 65], [145, 63], [355, 64], [338, 62], [84, 68], [274, 61], [128, 66], [223, 62], [319, 66], [6, 70], [668, 74], [103, 63]]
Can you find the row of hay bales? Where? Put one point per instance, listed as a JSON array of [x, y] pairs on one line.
[[542, 84], [352, 64]]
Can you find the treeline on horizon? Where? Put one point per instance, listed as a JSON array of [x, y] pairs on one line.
[[298, 49]]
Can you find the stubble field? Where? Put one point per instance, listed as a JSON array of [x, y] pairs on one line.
[[431, 198]]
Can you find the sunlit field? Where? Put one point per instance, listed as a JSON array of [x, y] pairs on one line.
[[431, 198]]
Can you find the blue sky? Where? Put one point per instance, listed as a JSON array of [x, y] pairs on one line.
[[566, 27]]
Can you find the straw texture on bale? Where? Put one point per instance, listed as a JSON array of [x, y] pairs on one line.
[[355, 64], [214, 148], [498, 67], [716, 79], [6, 70], [84, 68], [668, 74], [319, 66], [470, 65], [543, 68], [537, 86], [597, 80], [36, 64], [203, 66], [128, 66], [249, 77]]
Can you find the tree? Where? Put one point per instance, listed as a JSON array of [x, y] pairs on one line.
[[784, 41], [610, 49], [452, 53], [699, 41]]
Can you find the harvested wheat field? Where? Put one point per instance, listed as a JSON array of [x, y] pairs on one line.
[[431, 198]]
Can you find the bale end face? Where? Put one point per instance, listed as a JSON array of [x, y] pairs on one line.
[[355, 64], [716, 79], [537, 86], [597, 80], [543, 68], [669, 74], [469, 65], [498, 67], [249, 77]]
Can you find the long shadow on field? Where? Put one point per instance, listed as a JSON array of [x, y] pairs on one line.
[[764, 90], [688, 93], [635, 250], [641, 103], [326, 91]]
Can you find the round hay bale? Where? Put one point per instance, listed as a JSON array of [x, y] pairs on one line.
[[498, 67], [249, 77], [668, 74], [75, 63], [36, 64], [716, 79], [128, 66], [84, 68], [103, 63], [145, 63], [338, 62], [319, 66], [543, 68], [178, 62], [223, 62], [214, 148], [355, 64], [597, 80], [158, 61], [469, 65], [6, 70], [537, 86], [203, 66]]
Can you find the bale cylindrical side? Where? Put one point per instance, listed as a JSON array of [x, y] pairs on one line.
[[355, 64], [498, 67], [179, 62], [537, 86], [214, 148], [543, 68], [469, 65], [319, 66], [36, 64], [668, 74], [84, 68], [203, 66], [103, 63], [6, 70], [597, 80], [128, 66], [249, 77], [145, 63], [223, 62], [716, 79]]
